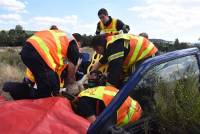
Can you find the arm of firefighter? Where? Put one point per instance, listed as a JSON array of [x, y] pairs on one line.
[[71, 73], [96, 66], [78, 64], [115, 53], [121, 26], [98, 29]]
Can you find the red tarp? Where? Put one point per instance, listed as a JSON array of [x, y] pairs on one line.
[[42, 116]]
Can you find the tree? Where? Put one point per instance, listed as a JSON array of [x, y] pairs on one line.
[[21, 35], [177, 44], [184, 45], [3, 38], [86, 40], [11, 37], [17, 36], [18, 28], [14, 37]]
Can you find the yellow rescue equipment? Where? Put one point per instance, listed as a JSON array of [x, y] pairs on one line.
[[95, 58]]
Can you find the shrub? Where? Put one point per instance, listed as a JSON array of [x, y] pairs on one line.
[[11, 56], [178, 109]]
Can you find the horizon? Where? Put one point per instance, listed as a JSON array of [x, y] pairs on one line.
[[168, 20]]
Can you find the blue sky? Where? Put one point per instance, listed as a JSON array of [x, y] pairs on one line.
[[165, 19]]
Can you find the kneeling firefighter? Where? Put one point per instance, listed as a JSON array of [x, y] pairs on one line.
[[92, 101]]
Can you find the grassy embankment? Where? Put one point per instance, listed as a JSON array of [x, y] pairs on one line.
[[11, 66], [177, 110]]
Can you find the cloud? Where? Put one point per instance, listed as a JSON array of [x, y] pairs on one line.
[[172, 2], [85, 28], [57, 20], [167, 16], [7, 20], [67, 23], [10, 17], [13, 5]]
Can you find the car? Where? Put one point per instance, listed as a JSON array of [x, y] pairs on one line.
[[163, 70]]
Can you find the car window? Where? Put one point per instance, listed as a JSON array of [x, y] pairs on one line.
[[166, 77]]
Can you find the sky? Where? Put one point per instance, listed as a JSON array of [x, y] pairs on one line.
[[161, 19]]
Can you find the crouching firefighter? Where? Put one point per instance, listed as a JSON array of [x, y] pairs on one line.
[[92, 101], [44, 54], [123, 53]]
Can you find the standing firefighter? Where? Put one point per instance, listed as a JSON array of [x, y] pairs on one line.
[[121, 52], [108, 25], [45, 53]]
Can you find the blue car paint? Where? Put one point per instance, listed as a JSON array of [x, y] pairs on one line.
[[96, 127]]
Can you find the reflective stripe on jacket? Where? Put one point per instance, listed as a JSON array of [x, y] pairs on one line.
[[140, 48], [29, 75], [110, 29], [52, 46], [129, 111]]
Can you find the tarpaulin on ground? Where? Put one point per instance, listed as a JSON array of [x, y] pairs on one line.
[[42, 116], [2, 99]]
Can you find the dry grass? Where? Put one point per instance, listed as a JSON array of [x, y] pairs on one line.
[[10, 73], [11, 66], [88, 50]]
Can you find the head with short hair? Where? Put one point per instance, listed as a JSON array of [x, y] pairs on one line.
[[53, 27], [96, 78], [102, 11], [77, 37], [99, 43], [103, 15], [144, 35]]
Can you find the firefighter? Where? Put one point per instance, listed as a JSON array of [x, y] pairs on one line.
[[108, 25], [92, 101], [46, 53], [121, 52], [144, 35], [62, 73], [53, 27]]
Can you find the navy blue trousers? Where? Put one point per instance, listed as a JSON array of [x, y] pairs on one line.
[[46, 79]]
